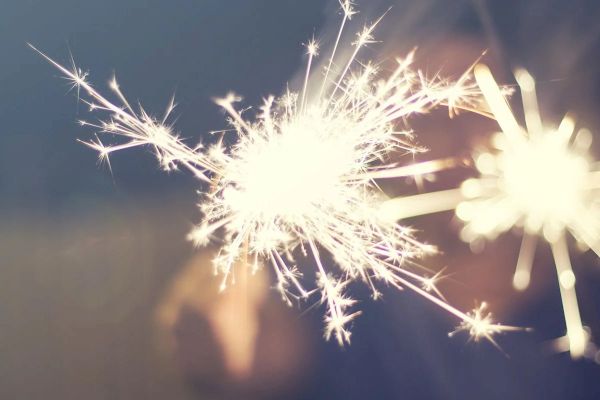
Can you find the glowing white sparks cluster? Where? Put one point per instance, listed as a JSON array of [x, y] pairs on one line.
[[299, 179], [541, 180]]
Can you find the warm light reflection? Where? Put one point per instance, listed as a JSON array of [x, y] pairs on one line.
[[234, 316]]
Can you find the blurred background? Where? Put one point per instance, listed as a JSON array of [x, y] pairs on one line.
[[101, 297]]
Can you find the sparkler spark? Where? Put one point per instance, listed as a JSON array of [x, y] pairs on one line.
[[299, 180], [539, 179], [481, 327], [139, 128]]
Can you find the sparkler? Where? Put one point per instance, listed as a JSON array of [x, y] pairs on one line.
[[539, 179], [299, 180]]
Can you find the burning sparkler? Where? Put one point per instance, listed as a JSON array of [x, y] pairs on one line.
[[541, 180], [300, 179]]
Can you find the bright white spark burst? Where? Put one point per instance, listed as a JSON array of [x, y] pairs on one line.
[[541, 180], [300, 178]]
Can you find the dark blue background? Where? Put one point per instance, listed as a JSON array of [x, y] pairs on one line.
[[84, 255]]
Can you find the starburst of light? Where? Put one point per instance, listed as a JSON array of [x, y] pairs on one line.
[[299, 179], [540, 179], [481, 326]]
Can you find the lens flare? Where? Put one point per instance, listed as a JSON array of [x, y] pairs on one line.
[[299, 178], [539, 179]]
